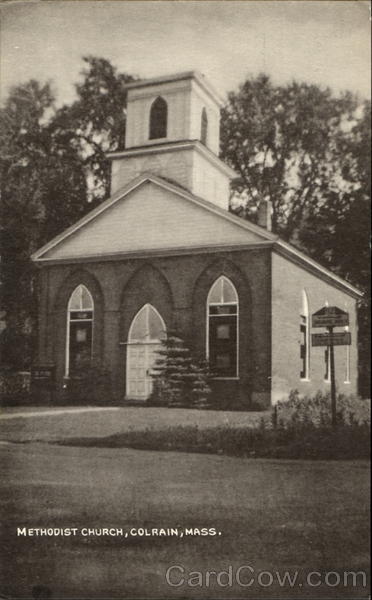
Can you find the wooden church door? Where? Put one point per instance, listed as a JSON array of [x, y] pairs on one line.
[[144, 340]]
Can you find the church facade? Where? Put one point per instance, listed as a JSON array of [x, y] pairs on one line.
[[164, 253]]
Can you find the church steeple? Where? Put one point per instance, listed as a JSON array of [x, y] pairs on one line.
[[181, 102], [173, 131]]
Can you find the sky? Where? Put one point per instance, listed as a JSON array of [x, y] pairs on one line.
[[322, 42]]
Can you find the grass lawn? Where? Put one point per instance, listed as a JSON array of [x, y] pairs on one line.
[[273, 515], [106, 423]]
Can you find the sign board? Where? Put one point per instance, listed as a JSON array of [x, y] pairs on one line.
[[43, 373], [326, 339], [330, 316]]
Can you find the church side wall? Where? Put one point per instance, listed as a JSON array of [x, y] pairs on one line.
[[178, 287], [288, 282]]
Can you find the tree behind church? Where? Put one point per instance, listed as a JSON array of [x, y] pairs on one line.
[[53, 170], [43, 190], [308, 152]]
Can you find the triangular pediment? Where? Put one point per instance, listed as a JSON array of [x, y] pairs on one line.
[[151, 215]]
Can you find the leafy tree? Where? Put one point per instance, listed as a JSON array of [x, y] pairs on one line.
[[53, 170], [96, 121], [280, 139], [308, 152], [337, 232], [42, 187]]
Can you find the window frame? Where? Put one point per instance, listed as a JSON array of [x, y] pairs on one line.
[[236, 315], [204, 127], [68, 325], [347, 359], [305, 324], [153, 124]]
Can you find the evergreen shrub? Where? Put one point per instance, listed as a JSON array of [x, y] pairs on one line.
[[180, 378]]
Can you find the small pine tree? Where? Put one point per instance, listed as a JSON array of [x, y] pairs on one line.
[[180, 379]]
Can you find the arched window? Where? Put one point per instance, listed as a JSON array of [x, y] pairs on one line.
[[204, 127], [305, 338], [147, 326], [158, 119], [222, 328], [79, 330]]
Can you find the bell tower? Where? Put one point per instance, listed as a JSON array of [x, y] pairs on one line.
[[173, 132], [187, 102]]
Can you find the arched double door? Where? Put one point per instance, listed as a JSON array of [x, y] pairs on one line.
[[144, 340]]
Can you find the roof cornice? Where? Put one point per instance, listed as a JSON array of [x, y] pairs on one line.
[[192, 75], [155, 253], [175, 147], [298, 257]]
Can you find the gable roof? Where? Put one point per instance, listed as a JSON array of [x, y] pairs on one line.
[[243, 227], [199, 225]]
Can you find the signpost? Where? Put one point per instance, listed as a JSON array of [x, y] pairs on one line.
[[45, 373], [325, 339], [330, 317]]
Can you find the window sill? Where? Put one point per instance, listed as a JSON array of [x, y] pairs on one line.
[[305, 380], [347, 382]]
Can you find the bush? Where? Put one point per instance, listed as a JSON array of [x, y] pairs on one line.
[[316, 411], [90, 383], [301, 429], [345, 442], [15, 387]]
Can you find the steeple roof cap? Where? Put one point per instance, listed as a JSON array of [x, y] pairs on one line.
[[195, 75]]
